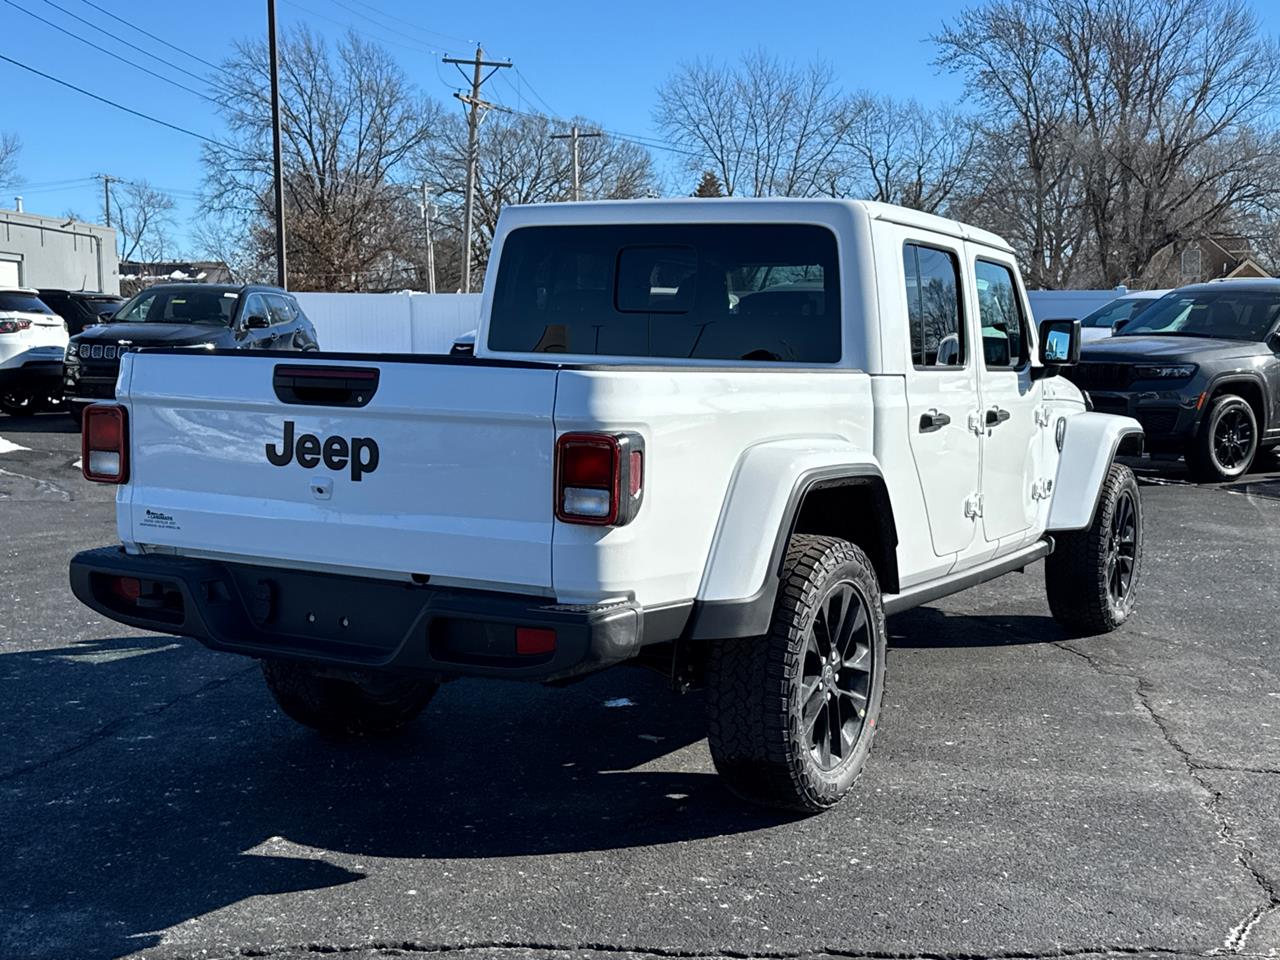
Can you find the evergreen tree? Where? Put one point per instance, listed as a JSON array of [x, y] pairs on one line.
[[709, 186]]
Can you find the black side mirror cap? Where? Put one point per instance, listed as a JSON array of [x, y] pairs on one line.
[[256, 322], [1059, 345]]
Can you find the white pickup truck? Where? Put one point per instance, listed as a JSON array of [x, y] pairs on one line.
[[725, 436]]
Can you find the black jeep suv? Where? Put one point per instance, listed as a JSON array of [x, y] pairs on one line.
[[1200, 369], [79, 308], [195, 315]]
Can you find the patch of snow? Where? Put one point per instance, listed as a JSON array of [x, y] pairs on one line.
[[620, 702], [8, 446]]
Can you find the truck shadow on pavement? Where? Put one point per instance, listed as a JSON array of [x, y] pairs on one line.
[[145, 782]]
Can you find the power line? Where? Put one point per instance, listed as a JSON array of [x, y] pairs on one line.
[[406, 44], [109, 53], [409, 23], [134, 26], [120, 106], [132, 46]]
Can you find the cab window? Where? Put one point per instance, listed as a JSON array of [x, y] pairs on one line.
[[1004, 328], [933, 307], [280, 310]]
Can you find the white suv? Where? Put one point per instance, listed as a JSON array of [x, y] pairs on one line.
[[33, 340]]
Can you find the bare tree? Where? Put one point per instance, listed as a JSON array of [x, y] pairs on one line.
[[10, 146], [518, 162], [143, 220], [904, 153], [349, 122], [1152, 119], [764, 127]]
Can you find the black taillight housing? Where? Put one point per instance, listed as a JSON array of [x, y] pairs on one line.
[[599, 478], [104, 443]]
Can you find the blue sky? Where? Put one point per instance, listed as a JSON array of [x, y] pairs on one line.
[[600, 60]]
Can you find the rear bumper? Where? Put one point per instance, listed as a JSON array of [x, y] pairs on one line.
[[359, 623], [35, 373]]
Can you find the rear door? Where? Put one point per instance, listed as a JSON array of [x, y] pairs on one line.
[[435, 469], [942, 388]]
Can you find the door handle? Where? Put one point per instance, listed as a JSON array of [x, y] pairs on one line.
[[932, 420], [996, 416]]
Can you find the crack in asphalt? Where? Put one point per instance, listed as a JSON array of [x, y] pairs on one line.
[[1237, 937], [418, 947], [112, 727]]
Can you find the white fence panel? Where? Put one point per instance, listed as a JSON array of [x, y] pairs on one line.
[[390, 322]]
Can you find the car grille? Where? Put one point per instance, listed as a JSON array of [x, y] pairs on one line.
[[1116, 405], [102, 351], [1100, 376]]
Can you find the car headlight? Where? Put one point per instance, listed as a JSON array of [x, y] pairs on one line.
[[70, 356], [1165, 371]]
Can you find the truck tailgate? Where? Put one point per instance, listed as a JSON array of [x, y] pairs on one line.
[[446, 470]]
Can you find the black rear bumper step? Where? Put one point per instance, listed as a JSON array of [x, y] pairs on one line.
[[360, 623]]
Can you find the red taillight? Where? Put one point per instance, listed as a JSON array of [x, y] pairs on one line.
[[14, 326], [128, 589], [533, 641], [599, 478], [104, 444]]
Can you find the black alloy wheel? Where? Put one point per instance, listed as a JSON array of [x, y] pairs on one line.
[[1233, 439], [1122, 548], [839, 660]]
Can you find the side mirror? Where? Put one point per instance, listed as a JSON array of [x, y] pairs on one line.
[[256, 322], [464, 346], [106, 317], [1060, 346]]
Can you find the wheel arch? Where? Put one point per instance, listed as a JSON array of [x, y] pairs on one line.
[[780, 490], [1246, 386], [1089, 445]]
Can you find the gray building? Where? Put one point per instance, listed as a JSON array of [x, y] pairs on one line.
[[38, 251]]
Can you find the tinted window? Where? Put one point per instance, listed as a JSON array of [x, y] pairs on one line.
[[1115, 312], [162, 305], [705, 291], [933, 307], [100, 307], [24, 302], [1004, 335], [279, 309], [1225, 313]]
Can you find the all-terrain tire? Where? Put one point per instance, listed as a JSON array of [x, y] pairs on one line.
[[1080, 576], [757, 691], [345, 708], [1213, 458]]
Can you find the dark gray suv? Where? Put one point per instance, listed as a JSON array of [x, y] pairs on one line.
[[1200, 369]]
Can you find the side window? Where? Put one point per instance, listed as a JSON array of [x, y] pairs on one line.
[[280, 309], [255, 306], [1004, 329], [933, 307]]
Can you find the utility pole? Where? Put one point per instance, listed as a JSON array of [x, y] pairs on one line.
[[282, 274], [431, 247], [573, 136], [474, 116], [106, 194]]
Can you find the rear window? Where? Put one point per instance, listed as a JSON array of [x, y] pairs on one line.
[[23, 302], [704, 291]]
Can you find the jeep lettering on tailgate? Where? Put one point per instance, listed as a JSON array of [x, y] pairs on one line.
[[336, 452]]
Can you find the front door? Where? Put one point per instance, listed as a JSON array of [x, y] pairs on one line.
[[1011, 420], [942, 390]]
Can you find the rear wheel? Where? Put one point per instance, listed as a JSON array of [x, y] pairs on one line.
[[1227, 442], [370, 705], [1091, 577], [791, 714], [18, 403]]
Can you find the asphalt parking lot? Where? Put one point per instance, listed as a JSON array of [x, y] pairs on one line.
[[1028, 796]]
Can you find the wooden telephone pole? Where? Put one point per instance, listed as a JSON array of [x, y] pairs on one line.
[[573, 136], [475, 113]]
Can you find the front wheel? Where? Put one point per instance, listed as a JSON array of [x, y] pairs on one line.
[[1227, 442], [371, 705], [18, 403], [791, 714], [1091, 577]]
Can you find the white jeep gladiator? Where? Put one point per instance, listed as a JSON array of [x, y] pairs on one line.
[[725, 436]]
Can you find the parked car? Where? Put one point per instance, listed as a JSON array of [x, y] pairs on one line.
[[80, 309], [192, 315], [709, 437], [32, 341], [1200, 370], [1099, 324]]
